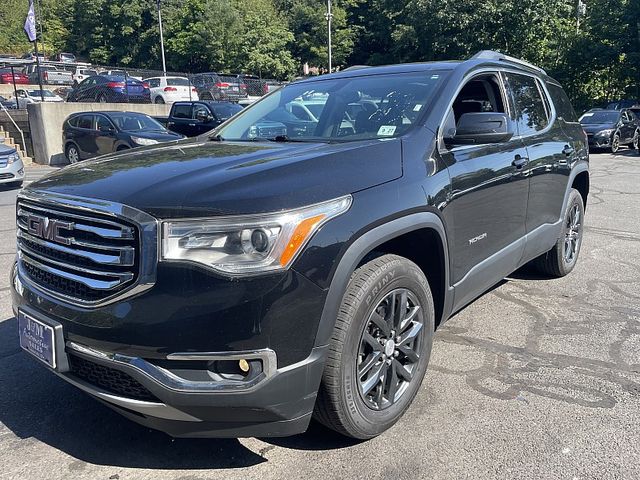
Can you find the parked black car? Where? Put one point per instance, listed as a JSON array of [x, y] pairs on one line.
[[110, 89], [611, 129], [89, 134], [229, 285], [622, 104], [221, 87], [198, 117]]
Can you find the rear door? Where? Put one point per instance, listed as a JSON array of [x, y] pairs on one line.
[[86, 135], [105, 135], [548, 147], [181, 119], [628, 128]]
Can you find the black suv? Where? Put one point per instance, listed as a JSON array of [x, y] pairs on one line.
[[611, 129], [237, 285]]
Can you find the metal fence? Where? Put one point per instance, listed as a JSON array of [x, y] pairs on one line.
[[81, 82]]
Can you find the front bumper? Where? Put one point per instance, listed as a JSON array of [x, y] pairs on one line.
[[599, 141], [166, 383], [13, 172]]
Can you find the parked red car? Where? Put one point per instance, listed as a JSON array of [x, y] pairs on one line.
[[18, 77]]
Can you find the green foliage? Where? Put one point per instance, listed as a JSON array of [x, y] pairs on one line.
[[596, 62]]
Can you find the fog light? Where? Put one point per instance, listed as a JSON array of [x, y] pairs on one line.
[[244, 365]]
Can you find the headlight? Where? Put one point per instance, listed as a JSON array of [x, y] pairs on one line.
[[248, 244], [604, 133], [144, 141], [14, 157]]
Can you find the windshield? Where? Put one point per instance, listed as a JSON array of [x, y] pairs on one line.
[[131, 122], [36, 93], [599, 117], [342, 109], [178, 82], [225, 110]]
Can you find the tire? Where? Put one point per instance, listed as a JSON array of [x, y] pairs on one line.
[[102, 98], [636, 140], [206, 96], [353, 403], [615, 143], [556, 262], [159, 100], [72, 153]]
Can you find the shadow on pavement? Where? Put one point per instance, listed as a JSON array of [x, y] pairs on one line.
[[35, 403]]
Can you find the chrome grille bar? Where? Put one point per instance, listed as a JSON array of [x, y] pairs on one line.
[[83, 251], [124, 255]]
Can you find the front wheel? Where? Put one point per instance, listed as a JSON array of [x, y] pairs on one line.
[[636, 140], [379, 350], [615, 143]]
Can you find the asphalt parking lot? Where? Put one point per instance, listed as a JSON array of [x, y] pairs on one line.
[[536, 379]]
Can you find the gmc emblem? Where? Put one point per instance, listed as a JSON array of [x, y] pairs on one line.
[[49, 229]]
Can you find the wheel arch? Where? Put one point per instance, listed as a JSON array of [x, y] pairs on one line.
[[581, 183], [415, 237]]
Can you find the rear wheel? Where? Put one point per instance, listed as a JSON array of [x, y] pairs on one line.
[[562, 258], [379, 350], [72, 154], [159, 100], [102, 98], [206, 96], [615, 143], [636, 140]]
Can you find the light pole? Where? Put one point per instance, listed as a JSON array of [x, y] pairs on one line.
[[329, 17], [164, 65]]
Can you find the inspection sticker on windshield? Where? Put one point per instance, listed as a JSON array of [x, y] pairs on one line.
[[386, 130], [417, 107]]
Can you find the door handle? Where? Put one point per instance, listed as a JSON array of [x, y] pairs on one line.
[[192, 124], [568, 150], [519, 162]]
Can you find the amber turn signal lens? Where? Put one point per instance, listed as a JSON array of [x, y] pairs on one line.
[[298, 238]]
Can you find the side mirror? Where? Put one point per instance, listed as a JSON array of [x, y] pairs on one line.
[[203, 116], [479, 128], [106, 129]]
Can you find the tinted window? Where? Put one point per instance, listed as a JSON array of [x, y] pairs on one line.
[[225, 110], [200, 110], [531, 115], [562, 103], [153, 82], [178, 82], [131, 122], [73, 121], [85, 121], [182, 110], [103, 122], [602, 116]]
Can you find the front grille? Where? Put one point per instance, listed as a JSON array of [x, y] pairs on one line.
[[4, 176], [74, 253], [109, 379]]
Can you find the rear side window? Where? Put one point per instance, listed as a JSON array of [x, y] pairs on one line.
[[531, 114], [85, 121], [182, 110], [562, 103], [178, 82]]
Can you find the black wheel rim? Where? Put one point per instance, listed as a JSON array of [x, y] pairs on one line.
[[573, 234], [389, 349]]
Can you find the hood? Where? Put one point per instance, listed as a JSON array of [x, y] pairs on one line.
[[6, 150], [597, 127], [203, 178]]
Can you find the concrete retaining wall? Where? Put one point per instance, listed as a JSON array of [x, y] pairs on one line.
[[46, 119]]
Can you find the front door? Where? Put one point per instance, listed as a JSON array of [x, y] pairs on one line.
[[180, 119], [488, 200]]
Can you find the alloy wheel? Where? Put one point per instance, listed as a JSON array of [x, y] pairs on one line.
[[636, 139], [72, 155], [573, 234], [615, 144], [389, 349]]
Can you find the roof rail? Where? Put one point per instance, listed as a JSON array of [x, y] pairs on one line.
[[491, 55]]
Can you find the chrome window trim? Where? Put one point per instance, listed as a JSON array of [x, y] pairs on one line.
[[148, 231], [171, 381]]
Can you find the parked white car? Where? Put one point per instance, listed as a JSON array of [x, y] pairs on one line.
[[81, 73], [26, 97], [171, 89]]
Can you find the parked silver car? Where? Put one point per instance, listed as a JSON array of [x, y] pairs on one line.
[[11, 167]]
